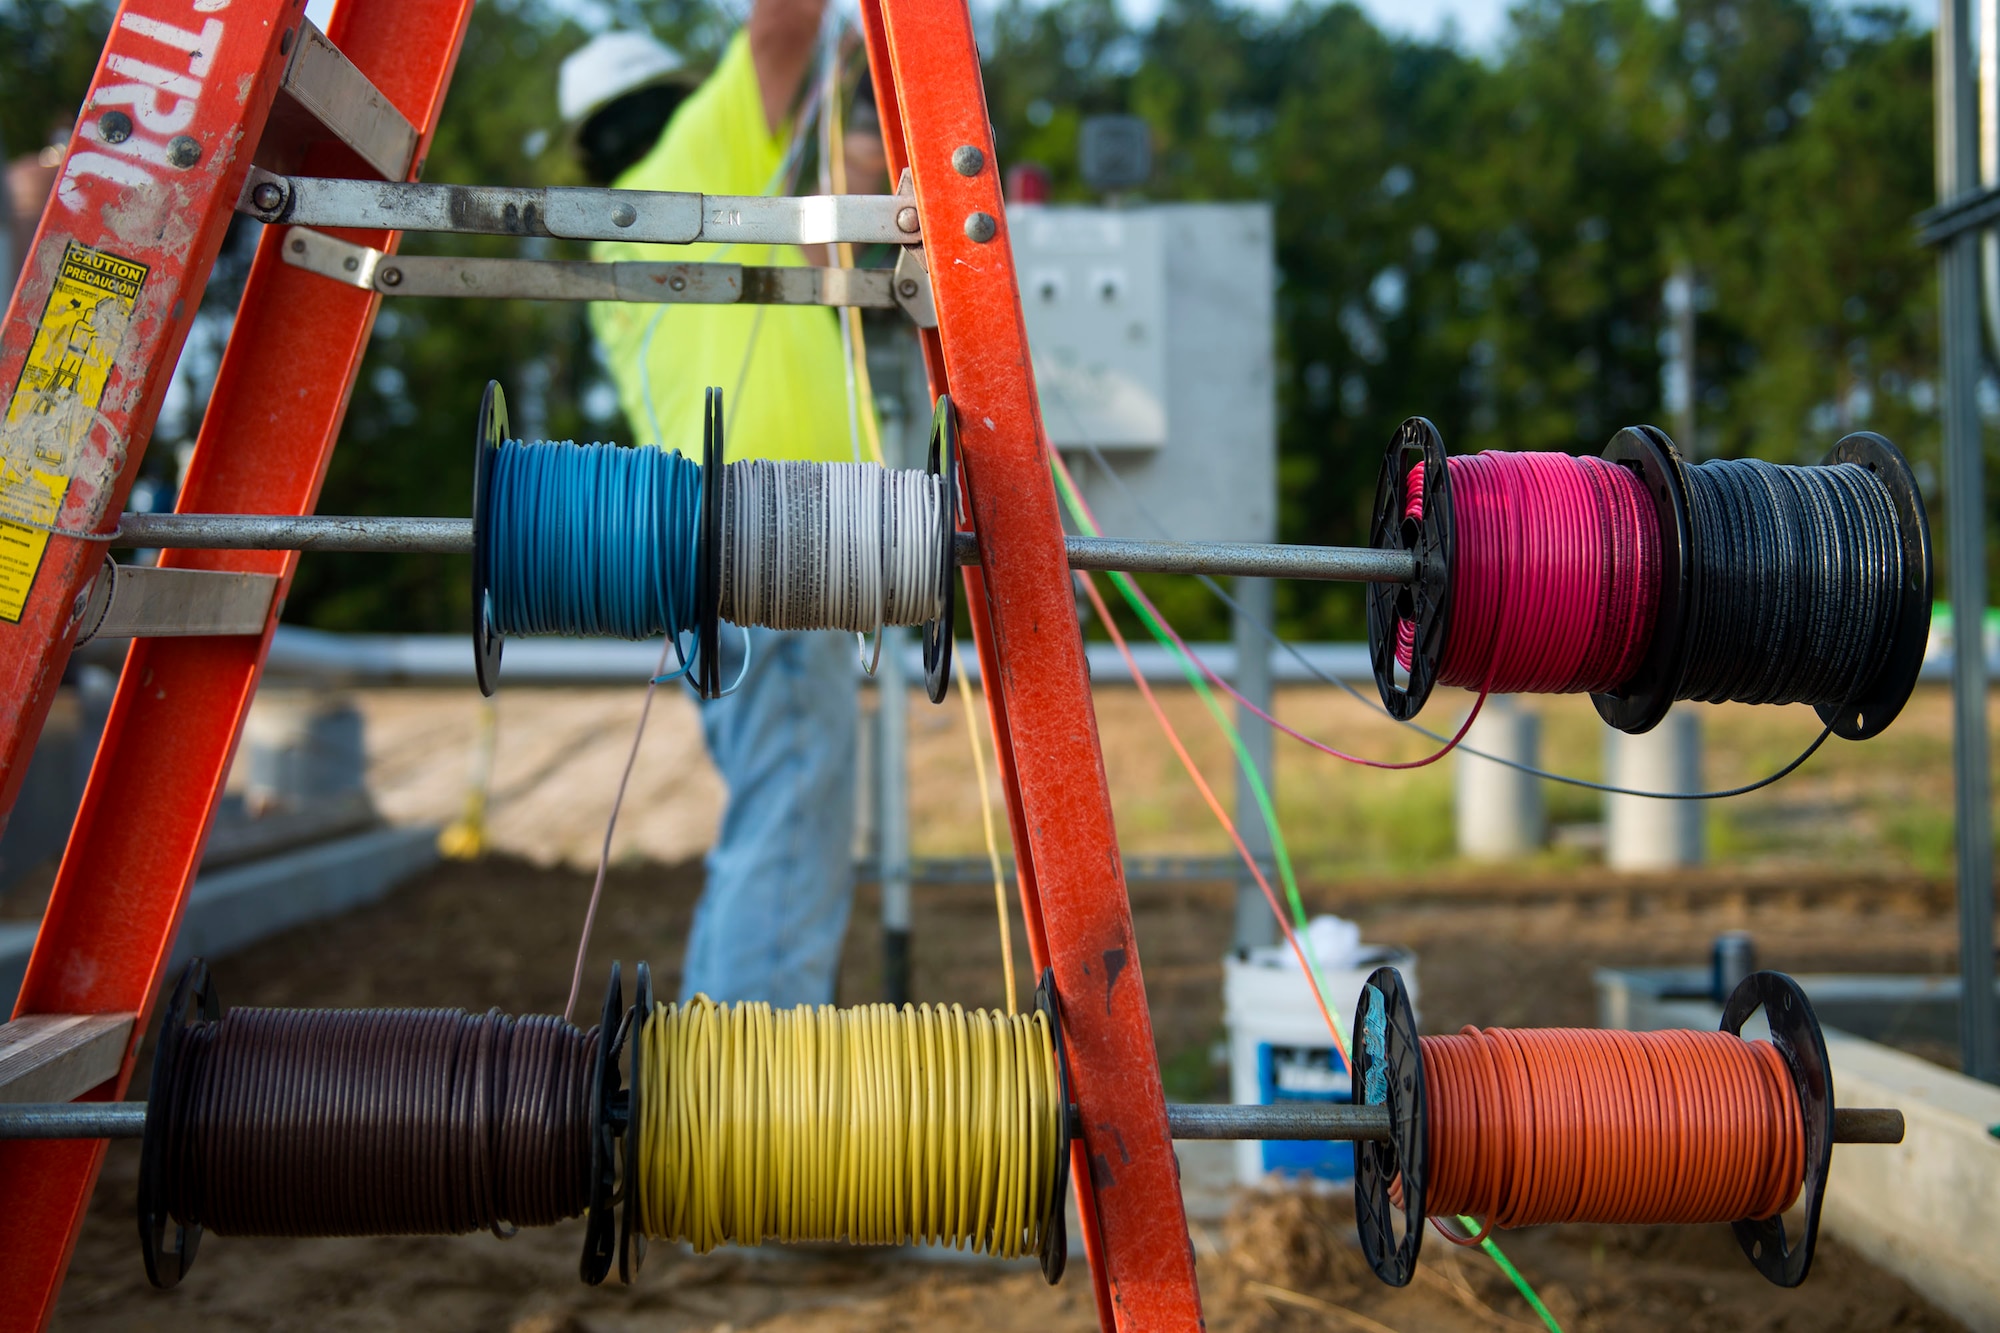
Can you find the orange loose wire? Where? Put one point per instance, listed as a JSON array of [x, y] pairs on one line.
[[1536, 1125]]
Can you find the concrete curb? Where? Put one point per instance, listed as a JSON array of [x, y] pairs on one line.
[[244, 903], [1926, 1209]]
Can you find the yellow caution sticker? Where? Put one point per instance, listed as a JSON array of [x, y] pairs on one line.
[[54, 402]]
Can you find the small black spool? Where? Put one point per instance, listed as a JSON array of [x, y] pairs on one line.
[[708, 558], [937, 633], [1427, 600], [1407, 1153], [194, 1003], [487, 438], [1795, 1032], [1638, 705], [1055, 1222], [1868, 716], [607, 1122], [631, 1240]]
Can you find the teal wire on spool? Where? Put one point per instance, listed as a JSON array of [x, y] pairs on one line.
[[592, 539]]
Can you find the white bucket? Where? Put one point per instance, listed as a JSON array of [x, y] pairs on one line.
[[1280, 1050]]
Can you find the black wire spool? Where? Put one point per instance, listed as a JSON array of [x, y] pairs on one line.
[[1643, 699], [491, 432], [1809, 584], [707, 673], [1426, 602], [193, 1004], [631, 1240], [938, 633], [1396, 1070], [1795, 1031], [609, 1110], [360, 1122], [1054, 1253]]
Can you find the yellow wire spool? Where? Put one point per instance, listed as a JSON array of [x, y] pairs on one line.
[[874, 1125]]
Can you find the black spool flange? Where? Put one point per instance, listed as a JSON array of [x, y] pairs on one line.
[[607, 1123], [1883, 698], [708, 555], [1795, 1032], [1407, 1153], [631, 1239], [938, 633], [1639, 704], [487, 437], [194, 1004], [1055, 1221], [1426, 600]]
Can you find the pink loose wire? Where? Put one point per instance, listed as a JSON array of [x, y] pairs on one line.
[[1555, 574]]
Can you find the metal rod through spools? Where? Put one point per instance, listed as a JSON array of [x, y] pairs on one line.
[[1293, 1120], [453, 536]]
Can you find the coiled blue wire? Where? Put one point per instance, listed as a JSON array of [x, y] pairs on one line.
[[593, 540]]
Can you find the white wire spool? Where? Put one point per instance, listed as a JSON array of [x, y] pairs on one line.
[[839, 546]]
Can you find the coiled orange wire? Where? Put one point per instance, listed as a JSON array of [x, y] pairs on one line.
[[1537, 1125]]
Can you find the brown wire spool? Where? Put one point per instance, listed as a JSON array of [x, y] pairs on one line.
[[360, 1122]]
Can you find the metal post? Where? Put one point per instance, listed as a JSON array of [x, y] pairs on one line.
[[1255, 927], [1965, 508], [1681, 288], [906, 415], [892, 815]]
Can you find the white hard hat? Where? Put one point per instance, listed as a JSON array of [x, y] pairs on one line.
[[609, 66]]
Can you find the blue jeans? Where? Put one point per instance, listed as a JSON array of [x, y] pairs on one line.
[[781, 874]]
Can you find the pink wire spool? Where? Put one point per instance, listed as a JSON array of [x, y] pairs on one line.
[[1412, 513], [1555, 565], [1638, 702]]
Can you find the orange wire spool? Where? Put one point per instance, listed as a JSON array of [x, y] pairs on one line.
[[1575, 1125], [1524, 1127]]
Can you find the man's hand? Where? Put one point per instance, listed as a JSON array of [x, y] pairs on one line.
[[782, 36]]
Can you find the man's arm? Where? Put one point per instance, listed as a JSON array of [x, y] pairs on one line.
[[782, 35]]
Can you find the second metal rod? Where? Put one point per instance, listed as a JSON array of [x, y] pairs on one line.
[[453, 536]]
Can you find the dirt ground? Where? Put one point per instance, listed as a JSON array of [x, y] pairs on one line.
[[1500, 951]]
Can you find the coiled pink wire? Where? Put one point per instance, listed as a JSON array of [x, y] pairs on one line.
[[1555, 574]]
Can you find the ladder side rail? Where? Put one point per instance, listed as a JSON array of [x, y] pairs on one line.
[[1059, 801], [141, 203], [272, 420]]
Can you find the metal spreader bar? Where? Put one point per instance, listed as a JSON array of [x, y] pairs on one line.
[[907, 286], [453, 536], [579, 213]]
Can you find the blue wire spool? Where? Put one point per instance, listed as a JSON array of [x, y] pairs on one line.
[[601, 540]]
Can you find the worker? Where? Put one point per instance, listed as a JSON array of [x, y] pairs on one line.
[[771, 918]]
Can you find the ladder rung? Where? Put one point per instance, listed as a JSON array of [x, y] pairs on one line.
[[59, 1057], [581, 214], [328, 88], [139, 602], [579, 280]]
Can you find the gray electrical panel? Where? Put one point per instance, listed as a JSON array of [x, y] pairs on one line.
[[1151, 332]]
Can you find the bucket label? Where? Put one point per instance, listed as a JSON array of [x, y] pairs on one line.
[[1304, 1074], [55, 400]]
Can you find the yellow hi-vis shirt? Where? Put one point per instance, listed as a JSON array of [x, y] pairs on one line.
[[792, 402]]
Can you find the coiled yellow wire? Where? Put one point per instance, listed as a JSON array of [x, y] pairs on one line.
[[874, 1125]]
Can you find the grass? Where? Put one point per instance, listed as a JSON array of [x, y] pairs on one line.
[[1882, 805]]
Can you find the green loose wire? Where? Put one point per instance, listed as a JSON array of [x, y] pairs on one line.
[[1279, 850]]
